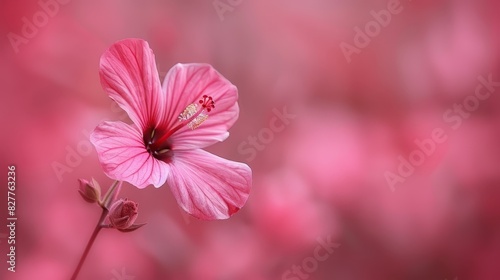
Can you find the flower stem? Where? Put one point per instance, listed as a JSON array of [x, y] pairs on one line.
[[111, 195], [109, 198], [98, 227]]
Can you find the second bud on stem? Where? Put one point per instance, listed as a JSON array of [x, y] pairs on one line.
[[123, 214]]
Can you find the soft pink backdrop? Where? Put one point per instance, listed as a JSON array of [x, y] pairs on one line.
[[322, 176]]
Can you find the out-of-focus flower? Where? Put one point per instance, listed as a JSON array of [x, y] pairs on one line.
[[330, 151], [285, 198], [217, 259], [123, 214], [192, 110], [90, 191]]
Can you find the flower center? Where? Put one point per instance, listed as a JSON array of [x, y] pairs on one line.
[[193, 116], [159, 150]]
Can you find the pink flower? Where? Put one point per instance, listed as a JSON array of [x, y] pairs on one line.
[[193, 109]]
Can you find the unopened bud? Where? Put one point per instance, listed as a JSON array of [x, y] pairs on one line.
[[90, 191], [123, 214]]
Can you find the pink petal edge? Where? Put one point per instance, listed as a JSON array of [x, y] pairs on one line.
[[207, 186]]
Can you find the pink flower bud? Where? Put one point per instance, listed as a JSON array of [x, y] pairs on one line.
[[123, 214], [90, 191]]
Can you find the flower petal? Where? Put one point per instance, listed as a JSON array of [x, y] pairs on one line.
[[123, 157], [130, 77], [185, 84], [207, 186]]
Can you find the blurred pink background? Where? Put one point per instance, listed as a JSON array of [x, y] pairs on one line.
[[321, 177]]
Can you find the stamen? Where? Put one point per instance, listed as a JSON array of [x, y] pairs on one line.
[[188, 112], [193, 116], [163, 151], [197, 121]]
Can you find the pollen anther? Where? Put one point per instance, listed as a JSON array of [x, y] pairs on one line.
[[188, 112], [194, 114], [196, 122], [163, 151]]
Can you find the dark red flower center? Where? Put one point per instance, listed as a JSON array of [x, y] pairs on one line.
[[156, 140], [158, 149]]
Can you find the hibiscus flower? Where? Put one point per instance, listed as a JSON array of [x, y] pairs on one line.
[[172, 122]]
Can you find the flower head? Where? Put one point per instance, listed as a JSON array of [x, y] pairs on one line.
[[172, 122]]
